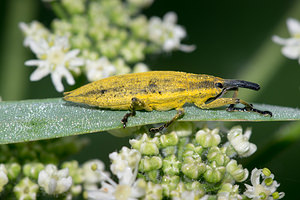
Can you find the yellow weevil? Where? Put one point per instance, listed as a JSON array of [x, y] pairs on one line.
[[162, 90]]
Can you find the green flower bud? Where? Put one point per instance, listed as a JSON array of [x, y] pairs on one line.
[[26, 189], [80, 24], [149, 148], [236, 171], [146, 145], [170, 139], [152, 176], [195, 185], [193, 167], [133, 51], [183, 129], [215, 154], [150, 163], [80, 41], [13, 170], [171, 166], [74, 6], [191, 150], [110, 48], [208, 138], [213, 173], [171, 150], [153, 191], [32, 170], [169, 183], [137, 26], [61, 27]]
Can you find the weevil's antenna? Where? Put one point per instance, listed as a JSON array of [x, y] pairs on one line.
[[229, 83]]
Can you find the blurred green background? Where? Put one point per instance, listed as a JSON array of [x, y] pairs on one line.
[[233, 40]]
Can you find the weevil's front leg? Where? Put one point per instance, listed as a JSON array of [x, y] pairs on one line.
[[135, 103], [180, 113], [232, 101], [216, 103], [248, 107]]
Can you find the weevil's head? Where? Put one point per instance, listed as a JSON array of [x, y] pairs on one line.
[[221, 86]]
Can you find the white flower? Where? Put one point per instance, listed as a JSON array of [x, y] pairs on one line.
[[167, 33], [98, 69], [55, 59], [240, 142], [140, 67], [291, 46], [34, 31], [92, 177], [128, 187], [121, 161], [3, 176], [55, 181], [262, 190]]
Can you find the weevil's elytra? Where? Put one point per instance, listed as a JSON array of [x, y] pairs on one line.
[[162, 90]]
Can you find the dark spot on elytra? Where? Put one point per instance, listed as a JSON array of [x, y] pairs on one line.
[[103, 91]]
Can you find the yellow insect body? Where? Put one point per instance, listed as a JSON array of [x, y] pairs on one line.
[[161, 90]]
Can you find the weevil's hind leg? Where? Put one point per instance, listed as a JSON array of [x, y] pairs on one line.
[[135, 103], [180, 113]]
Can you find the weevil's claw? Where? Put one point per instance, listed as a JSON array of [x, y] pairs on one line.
[[124, 121]]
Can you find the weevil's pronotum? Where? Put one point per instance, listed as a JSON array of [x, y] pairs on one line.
[[162, 90]]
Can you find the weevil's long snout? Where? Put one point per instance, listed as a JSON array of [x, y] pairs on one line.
[[228, 83]]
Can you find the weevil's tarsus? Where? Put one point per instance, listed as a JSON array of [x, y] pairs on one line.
[[179, 114], [231, 108]]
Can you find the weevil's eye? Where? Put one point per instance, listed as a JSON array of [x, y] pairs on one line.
[[219, 85]]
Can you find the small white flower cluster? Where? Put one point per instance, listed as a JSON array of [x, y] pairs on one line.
[[100, 38], [55, 181], [291, 46], [168, 33], [125, 167]]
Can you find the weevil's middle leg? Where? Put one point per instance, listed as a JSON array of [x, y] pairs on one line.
[[135, 103], [180, 113]]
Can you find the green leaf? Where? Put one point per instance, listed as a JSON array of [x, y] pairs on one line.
[[51, 118]]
